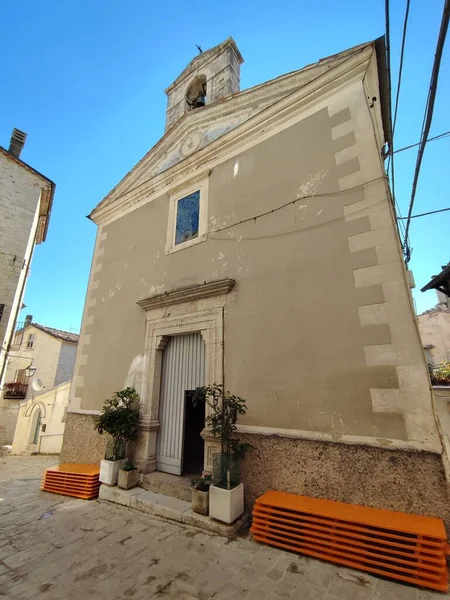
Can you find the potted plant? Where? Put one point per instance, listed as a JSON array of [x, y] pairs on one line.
[[128, 476], [119, 418], [200, 494], [226, 494]]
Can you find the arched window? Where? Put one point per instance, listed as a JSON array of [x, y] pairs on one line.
[[196, 93]]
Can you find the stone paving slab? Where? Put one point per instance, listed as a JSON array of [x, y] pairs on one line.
[[54, 547]]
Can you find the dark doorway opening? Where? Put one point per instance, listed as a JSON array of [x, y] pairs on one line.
[[193, 447]]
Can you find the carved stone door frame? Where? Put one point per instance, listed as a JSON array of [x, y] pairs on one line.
[[203, 315]]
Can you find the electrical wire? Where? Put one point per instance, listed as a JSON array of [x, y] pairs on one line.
[[400, 69], [399, 80], [432, 139], [291, 202], [388, 75], [390, 167], [428, 117], [301, 230], [431, 212]]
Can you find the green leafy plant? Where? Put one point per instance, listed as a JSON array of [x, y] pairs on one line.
[[202, 483], [225, 410], [120, 418], [128, 466], [440, 374]]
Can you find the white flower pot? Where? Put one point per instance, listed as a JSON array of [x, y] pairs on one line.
[[226, 505], [109, 470]]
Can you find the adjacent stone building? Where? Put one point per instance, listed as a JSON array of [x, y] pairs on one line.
[[51, 354], [434, 326], [26, 198], [41, 421], [256, 245]]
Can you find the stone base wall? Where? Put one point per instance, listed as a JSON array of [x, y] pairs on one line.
[[411, 482], [442, 406], [81, 443], [8, 422]]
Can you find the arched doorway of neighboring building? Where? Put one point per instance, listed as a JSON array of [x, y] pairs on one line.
[[35, 426]]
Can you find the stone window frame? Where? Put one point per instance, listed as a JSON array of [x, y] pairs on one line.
[[31, 340], [201, 186]]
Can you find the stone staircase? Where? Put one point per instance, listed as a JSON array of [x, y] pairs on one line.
[[168, 485], [167, 507]]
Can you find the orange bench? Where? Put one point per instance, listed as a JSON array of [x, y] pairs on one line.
[[409, 548], [70, 479]]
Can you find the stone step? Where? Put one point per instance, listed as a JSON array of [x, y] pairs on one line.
[[168, 485], [170, 508]]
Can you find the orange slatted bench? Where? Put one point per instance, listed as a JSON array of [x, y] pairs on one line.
[[71, 479], [396, 545]]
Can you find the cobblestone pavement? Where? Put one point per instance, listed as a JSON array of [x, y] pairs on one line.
[[56, 547]]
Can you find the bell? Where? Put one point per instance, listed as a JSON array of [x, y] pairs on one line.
[[199, 101]]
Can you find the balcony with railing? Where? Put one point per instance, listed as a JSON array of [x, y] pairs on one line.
[[15, 391]]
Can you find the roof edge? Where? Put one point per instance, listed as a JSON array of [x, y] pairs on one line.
[[54, 335], [334, 57], [383, 82], [47, 200], [437, 279]]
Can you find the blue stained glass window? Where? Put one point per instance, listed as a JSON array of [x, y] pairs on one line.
[[187, 218]]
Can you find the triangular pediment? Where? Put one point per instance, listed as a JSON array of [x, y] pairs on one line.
[[197, 129]]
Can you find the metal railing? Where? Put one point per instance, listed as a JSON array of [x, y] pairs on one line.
[[440, 374], [15, 391]]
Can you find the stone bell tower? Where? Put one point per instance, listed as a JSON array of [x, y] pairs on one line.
[[210, 77]]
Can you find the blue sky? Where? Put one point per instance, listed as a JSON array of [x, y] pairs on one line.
[[85, 80]]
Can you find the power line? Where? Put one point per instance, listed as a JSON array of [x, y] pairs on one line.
[[302, 229], [390, 162], [276, 209], [388, 73], [432, 139], [428, 115], [400, 69], [431, 212]]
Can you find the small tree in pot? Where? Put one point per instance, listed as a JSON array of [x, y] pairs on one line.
[[119, 418], [227, 491]]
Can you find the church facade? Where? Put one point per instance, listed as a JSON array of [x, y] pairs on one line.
[[255, 245]]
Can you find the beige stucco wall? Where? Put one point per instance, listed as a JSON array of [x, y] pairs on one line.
[[53, 405], [319, 331], [434, 326]]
